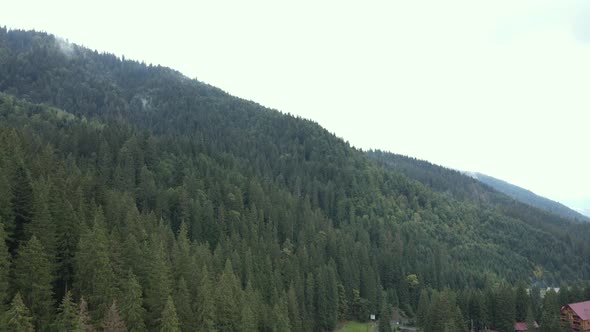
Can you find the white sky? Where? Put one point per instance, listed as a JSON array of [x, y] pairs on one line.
[[499, 87]]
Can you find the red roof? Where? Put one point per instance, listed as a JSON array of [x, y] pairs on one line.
[[522, 326], [582, 309]]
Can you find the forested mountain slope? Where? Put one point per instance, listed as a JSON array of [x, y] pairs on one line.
[[528, 197], [160, 201]]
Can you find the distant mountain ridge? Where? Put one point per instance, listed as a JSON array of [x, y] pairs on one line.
[[528, 197]]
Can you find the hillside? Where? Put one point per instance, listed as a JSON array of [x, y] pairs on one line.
[[528, 197], [166, 200], [478, 188]]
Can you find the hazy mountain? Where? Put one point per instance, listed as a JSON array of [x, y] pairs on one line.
[[163, 203], [528, 197]]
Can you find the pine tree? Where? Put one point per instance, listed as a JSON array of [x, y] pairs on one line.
[[295, 316], [132, 310], [280, 315], [521, 302], [530, 320], [423, 309], [33, 279], [385, 318], [326, 298], [505, 311], [94, 274], [85, 321], [22, 206], [158, 286], [18, 317], [183, 306], [342, 303], [227, 300], [169, 321], [68, 318], [42, 225], [205, 303], [112, 321], [550, 320], [4, 267]]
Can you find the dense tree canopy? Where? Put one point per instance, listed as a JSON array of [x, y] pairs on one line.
[[149, 201]]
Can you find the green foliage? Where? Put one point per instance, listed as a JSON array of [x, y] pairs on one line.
[[33, 279], [114, 166], [423, 309], [18, 317], [4, 268], [112, 321], [550, 320], [68, 319], [169, 321], [132, 310], [227, 301], [94, 274]]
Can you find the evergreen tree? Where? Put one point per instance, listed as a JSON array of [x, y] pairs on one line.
[[423, 309], [33, 280], [295, 316], [505, 311], [42, 225], [227, 300], [94, 274], [132, 310], [85, 321], [280, 315], [385, 318], [521, 302], [169, 321], [68, 318], [158, 283], [112, 321], [4, 267], [530, 320], [326, 298], [183, 306], [342, 303], [205, 304], [550, 320], [18, 317], [22, 205]]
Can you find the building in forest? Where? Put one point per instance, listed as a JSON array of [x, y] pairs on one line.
[[576, 316], [522, 326]]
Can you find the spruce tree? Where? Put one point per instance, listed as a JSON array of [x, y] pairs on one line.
[[294, 314], [169, 320], [183, 306], [18, 317], [42, 225], [521, 303], [132, 310], [4, 267], [85, 320], [33, 279], [385, 318], [550, 320], [68, 318], [22, 206], [423, 308], [227, 300], [505, 312], [158, 286], [205, 302], [112, 321], [530, 320], [94, 274]]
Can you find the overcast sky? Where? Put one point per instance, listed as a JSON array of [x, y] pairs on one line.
[[498, 87]]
